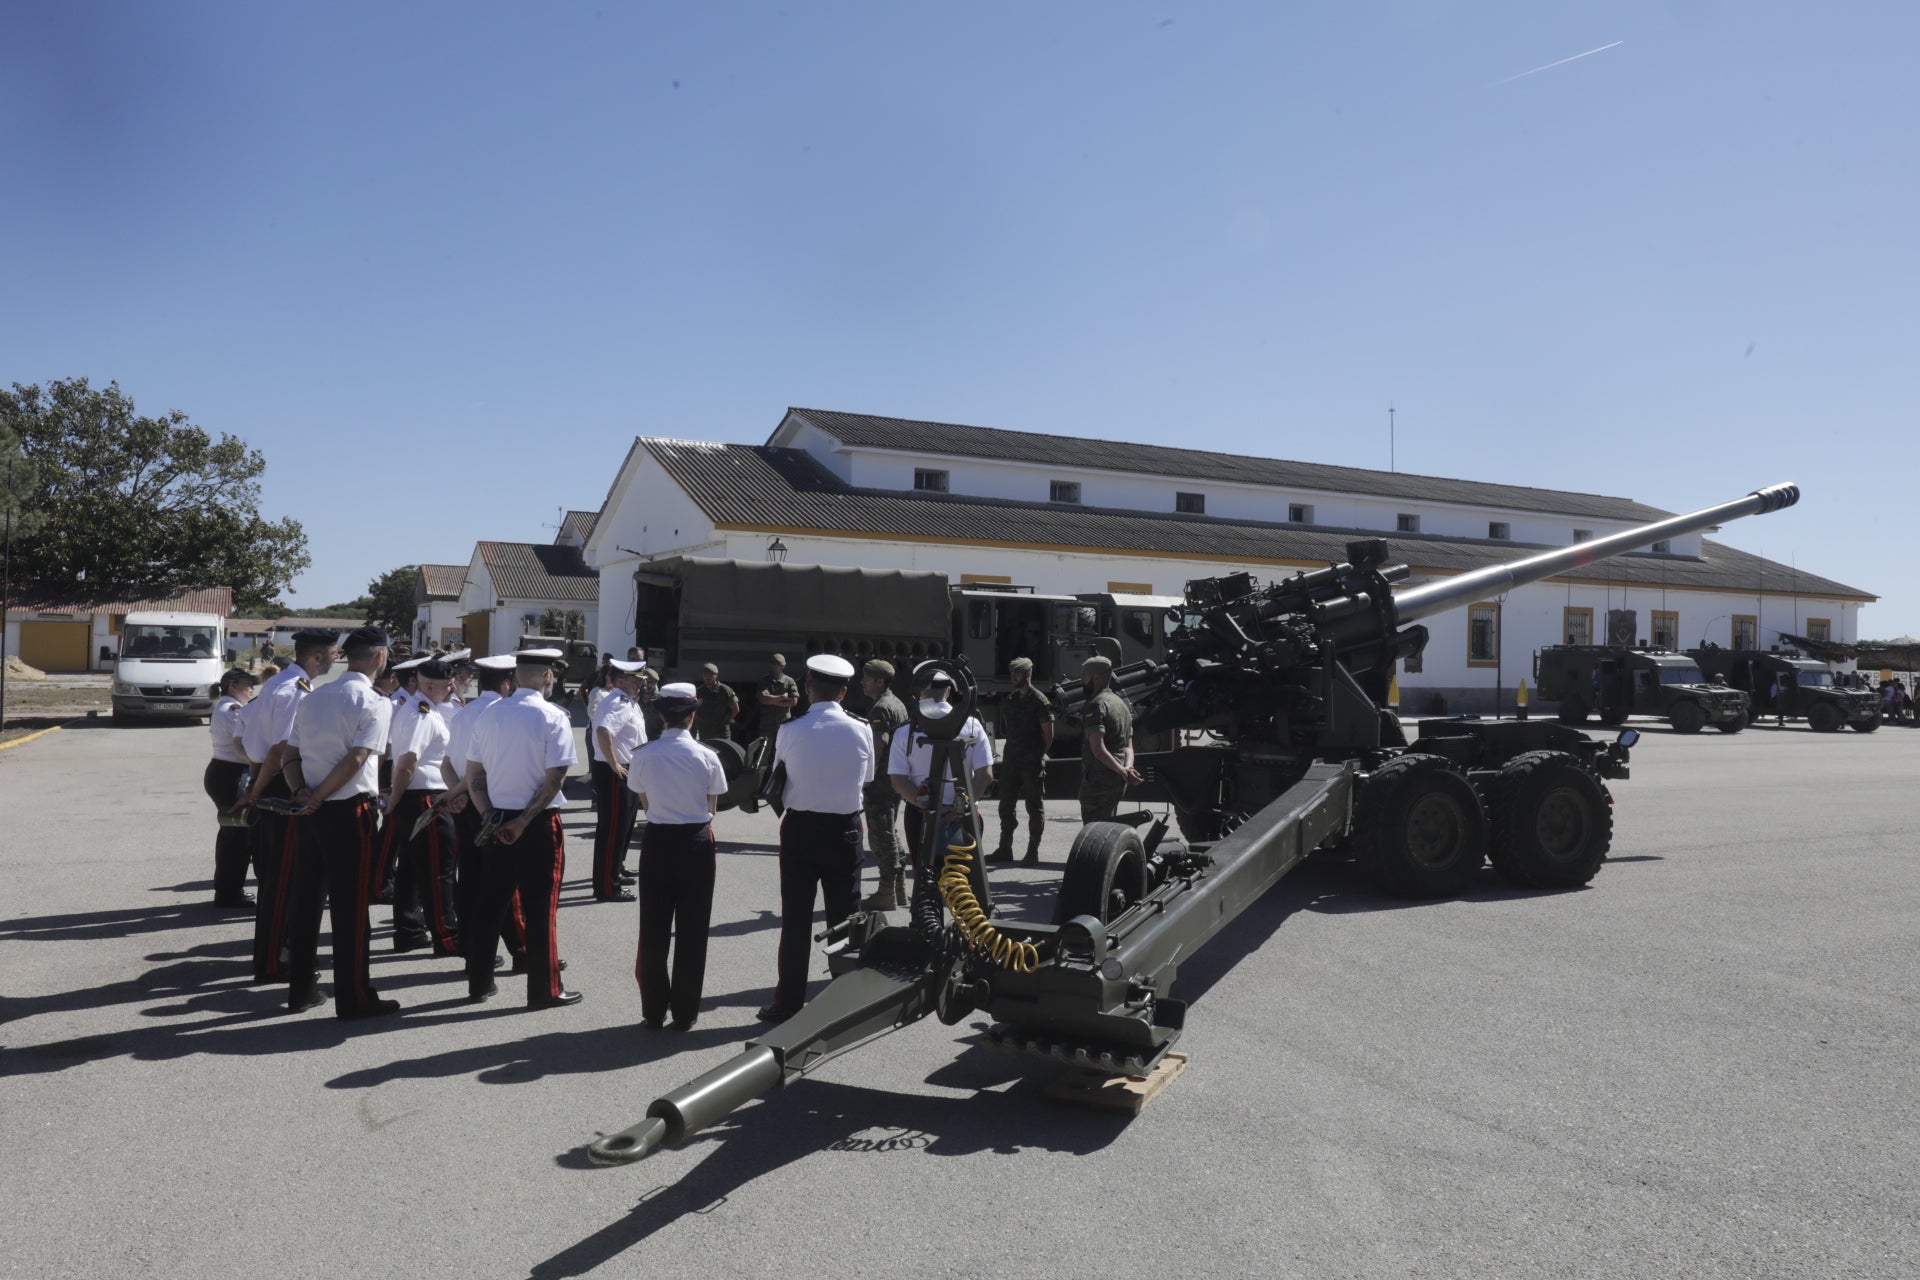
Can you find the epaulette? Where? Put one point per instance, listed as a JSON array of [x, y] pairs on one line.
[[425, 706], [304, 685]]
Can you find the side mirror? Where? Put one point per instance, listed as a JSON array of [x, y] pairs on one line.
[[1628, 737]]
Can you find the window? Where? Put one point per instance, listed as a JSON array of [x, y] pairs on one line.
[[1819, 629], [1483, 635], [1577, 625], [1406, 523], [450, 637], [980, 619], [1663, 546], [113, 623], [1130, 588], [1063, 491], [1499, 530], [1746, 631], [1666, 630], [1583, 535], [1138, 623], [1193, 504], [1299, 513], [929, 481]]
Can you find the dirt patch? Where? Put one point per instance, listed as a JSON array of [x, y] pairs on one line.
[[18, 670], [58, 700]]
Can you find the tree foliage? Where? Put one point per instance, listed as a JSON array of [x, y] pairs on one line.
[[569, 623], [111, 500], [389, 601]]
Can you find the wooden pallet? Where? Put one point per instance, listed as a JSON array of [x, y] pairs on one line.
[[1130, 1094]]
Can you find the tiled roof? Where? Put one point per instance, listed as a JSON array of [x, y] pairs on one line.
[[580, 524], [539, 571], [441, 581], [34, 599], [956, 440], [787, 490]]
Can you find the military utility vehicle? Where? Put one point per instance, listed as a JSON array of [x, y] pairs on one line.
[[1618, 682], [582, 661], [1785, 684]]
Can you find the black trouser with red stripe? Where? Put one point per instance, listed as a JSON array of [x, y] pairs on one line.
[[423, 884], [336, 857], [533, 864], [676, 903], [392, 836], [223, 781], [614, 811], [818, 852], [470, 894], [272, 839]]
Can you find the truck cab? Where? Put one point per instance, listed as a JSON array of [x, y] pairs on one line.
[[1617, 682], [169, 665]]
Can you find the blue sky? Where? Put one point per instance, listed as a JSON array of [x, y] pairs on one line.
[[383, 242]]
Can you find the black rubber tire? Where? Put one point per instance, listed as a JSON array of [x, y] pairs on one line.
[[1614, 717], [1106, 873], [1687, 717], [1549, 823], [1419, 830], [1572, 709], [1866, 726], [1732, 726], [1823, 717]]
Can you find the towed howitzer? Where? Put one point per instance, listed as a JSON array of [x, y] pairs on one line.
[[1289, 680]]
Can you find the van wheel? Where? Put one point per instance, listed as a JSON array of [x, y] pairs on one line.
[[1549, 823], [1419, 830], [1687, 717]]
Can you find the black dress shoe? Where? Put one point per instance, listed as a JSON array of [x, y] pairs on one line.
[[301, 1001], [238, 902], [378, 1009], [774, 1013], [1032, 859], [1000, 855], [618, 895], [402, 942], [683, 1024], [627, 877], [477, 994], [560, 1001], [653, 1024]]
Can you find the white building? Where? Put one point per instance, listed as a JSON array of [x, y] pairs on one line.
[[436, 605], [1062, 514], [510, 586]]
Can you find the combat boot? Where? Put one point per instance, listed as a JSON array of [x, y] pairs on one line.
[[884, 897], [900, 889]]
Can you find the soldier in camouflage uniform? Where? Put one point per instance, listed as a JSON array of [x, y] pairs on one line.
[[718, 706], [1106, 744], [879, 801], [1027, 721], [779, 698]]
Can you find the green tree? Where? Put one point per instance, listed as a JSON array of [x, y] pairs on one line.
[[111, 500], [570, 623], [389, 601]]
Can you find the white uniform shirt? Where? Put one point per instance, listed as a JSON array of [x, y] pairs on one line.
[[269, 717], [596, 696], [460, 733], [419, 728], [225, 726], [516, 742], [677, 775], [913, 755], [397, 699], [829, 758], [335, 719], [620, 716]]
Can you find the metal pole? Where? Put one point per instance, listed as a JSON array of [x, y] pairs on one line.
[[6, 593]]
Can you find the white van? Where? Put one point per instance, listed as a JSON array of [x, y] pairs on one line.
[[169, 664]]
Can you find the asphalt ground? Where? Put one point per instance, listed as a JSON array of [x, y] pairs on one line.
[[1702, 1065]]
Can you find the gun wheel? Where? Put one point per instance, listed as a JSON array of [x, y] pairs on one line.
[[1419, 830], [1550, 824], [1106, 873]]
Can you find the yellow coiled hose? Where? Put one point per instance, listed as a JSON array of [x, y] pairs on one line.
[[956, 889]]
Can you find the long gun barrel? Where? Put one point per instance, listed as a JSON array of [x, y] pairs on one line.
[[1437, 597]]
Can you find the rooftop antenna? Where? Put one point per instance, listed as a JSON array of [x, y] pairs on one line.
[[1392, 459]]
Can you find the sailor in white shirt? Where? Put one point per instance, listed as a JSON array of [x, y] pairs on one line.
[[828, 758], [264, 728], [521, 750], [495, 682], [616, 731], [678, 781], [423, 885], [225, 781], [332, 768], [910, 760]]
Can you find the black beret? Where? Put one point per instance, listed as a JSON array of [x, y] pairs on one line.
[[313, 635], [360, 639]]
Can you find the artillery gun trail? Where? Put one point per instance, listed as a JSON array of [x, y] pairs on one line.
[[1289, 679]]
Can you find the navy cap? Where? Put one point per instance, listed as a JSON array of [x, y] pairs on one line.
[[361, 639]]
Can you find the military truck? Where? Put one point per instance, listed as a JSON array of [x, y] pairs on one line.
[[582, 661], [1618, 682], [1786, 684]]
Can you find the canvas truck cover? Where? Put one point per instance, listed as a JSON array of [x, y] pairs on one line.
[[747, 595]]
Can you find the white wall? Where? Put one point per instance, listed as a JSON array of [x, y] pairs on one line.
[[438, 616], [645, 512]]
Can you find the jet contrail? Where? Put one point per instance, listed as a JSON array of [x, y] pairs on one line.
[[1563, 62]]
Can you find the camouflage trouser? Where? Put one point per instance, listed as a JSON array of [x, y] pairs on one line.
[[1099, 803], [883, 837], [1018, 782]]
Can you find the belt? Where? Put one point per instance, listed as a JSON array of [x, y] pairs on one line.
[[819, 813]]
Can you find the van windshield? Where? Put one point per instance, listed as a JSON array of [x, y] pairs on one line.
[[143, 640]]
